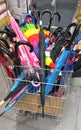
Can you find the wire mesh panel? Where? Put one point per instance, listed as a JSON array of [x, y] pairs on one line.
[[54, 102]]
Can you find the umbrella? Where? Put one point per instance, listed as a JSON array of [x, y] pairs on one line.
[[13, 103], [29, 58], [53, 35], [59, 42], [60, 63], [17, 95], [13, 55], [14, 86], [42, 54]]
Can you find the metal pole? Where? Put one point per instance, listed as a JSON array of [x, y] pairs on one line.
[[28, 2], [27, 5], [18, 1]]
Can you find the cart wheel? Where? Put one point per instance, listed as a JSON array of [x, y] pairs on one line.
[[25, 113], [20, 111], [56, 120], [32, 115]]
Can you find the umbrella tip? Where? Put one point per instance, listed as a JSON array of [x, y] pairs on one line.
[[2, 114], [2, 102], [9, 13]]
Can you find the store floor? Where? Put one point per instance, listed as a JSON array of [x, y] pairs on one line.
[[70, 119]]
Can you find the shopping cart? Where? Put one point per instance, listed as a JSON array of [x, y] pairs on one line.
[[32, 103]]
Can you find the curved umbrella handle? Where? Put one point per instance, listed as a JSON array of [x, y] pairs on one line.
[[67, 31], [59, 16], [50, 21], [22, 43], [56, 31], [6, 50], [10, 33], [3, 31], [51, 18], [4, 42], [44, 12], [68, 28], [75, 33], [59, 37]]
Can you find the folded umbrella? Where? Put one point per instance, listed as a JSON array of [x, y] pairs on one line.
[[14, 86], [60, 63]]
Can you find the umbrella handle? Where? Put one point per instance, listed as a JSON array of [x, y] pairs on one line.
[[6, 50], [33, 82], [59, 16], [23, 43], [4, 42], [56, 31], [2, 114], [68, 28], [75, 33], [9, 31], [64, 34], [52, 16], [44, 12], [59, 37], [50, 21]]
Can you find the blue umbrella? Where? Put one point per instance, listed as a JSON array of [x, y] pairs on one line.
[[60, 64], [14, 86], [69, 63], [12, 104], [60, 42], [42, 52]]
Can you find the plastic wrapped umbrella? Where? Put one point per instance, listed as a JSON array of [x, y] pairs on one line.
[[14, 86], [13, 103], [59, 42], [42, 53], [19, 85], [29, 58], [12, 56], [69, 62]]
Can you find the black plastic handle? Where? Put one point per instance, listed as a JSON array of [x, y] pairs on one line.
[[22, 43], [44, 12], [58, 14], [59, 18], [67, 31], [75, 33], [57, 31], [50, 20], [3, 49], [9, 31], [4, 42]]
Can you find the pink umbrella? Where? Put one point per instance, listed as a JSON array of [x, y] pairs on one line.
[[27, 58]]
